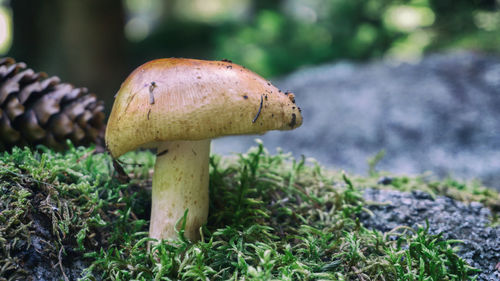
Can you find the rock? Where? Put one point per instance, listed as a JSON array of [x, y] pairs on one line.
[[440, 114], [385, 180], [455, 220]]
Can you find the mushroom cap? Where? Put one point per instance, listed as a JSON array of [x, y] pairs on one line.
[[186, 99]]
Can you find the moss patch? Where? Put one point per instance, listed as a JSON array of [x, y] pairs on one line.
[[271, 217]]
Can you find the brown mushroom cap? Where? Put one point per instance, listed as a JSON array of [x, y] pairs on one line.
[[187, 99]]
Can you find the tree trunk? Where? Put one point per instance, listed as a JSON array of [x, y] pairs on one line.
[[81, 41]]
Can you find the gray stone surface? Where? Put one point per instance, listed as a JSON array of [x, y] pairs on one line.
[[455, 220], [441, 114]]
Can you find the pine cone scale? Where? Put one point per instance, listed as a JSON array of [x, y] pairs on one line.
[[36, 110], [14, 108], [32, 130], [60, 126], [37, 88], [9, 68], [7, 133], [44, 108]]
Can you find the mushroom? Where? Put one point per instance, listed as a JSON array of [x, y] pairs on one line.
[[178, 106]]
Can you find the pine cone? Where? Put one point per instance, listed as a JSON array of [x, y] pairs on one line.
[[36, 110]]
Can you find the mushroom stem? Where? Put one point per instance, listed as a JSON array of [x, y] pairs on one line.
[[180, 182]]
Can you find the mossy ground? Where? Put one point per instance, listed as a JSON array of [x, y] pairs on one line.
[[271, 217]]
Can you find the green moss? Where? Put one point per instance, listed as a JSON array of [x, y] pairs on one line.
[[271, 217], [470, 191]]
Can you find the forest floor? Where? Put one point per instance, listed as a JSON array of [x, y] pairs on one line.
[[65, 216]]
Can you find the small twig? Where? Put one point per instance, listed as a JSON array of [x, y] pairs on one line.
[[60, 264], [260, 108], [397, 228], [358, 273], [162, 153], [132, 214], [122, 176], [85, 156]]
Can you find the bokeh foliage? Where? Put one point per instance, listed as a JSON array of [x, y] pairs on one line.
[[275, 42], [97, 43], [276, 37]]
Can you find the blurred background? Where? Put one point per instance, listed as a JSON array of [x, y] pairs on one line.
[[96, 44]]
